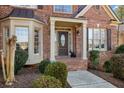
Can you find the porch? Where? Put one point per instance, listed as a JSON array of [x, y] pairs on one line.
[[73, 64], [68, 42]]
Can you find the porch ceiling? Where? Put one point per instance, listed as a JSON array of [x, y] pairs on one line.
[[66, 24]]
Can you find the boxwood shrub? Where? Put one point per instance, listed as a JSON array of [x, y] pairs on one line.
[[43, 64], [21, 57], [108, 66], [118, 65], [120, 49], [46, 82], [57, 70], [94, 57]]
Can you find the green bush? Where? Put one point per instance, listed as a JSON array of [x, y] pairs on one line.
[[120, 49], [46, 82], [94, 57], [43, 64], [21, 57], [57, 70], [108, 66], [118, 65]]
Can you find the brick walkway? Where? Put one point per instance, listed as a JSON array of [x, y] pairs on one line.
[[85, 79]]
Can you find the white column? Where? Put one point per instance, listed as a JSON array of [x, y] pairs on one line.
[[52, 40], [84, 54]]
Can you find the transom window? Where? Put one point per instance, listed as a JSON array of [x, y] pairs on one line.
[[36, 41], [97, 39], [63, 8]]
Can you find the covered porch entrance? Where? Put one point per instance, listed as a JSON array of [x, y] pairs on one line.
[[68, 42]]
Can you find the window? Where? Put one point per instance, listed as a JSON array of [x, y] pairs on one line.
[[22, 38], [36, 41], [7, 32], [63, 8], [97, 39], [97, 7]]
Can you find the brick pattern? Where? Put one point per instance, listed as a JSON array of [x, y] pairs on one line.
[[101, 17], [5, 10], [74, 63]]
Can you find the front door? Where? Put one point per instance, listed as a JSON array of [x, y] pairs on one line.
[[63, 43]]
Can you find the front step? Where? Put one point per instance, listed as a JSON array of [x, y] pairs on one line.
[[74, 64]]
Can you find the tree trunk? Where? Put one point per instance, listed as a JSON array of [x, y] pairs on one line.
[[8, 71]]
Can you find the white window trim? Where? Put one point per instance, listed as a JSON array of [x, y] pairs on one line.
[[28, 34], [38, 42], [99, 49], [63, 11]]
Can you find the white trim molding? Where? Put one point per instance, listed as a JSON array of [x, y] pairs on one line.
[[52, 34], [84, 28], [75, 20], [81, 13], [52, 40]]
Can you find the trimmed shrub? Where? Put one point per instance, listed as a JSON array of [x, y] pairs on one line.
[[108, 66], [94, 57], [57, 70], [118, 65], [43, 64], [21, 57], [46, 82], [120, 49]]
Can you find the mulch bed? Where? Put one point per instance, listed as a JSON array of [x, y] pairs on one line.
[[108, 77], [24, 78]]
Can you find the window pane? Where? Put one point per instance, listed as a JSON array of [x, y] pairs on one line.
[[22, 38], [96, 44], [90, 33], [90, 44], [63, 8], [36, 41], [96, 34], [103, 34], [102, 43]]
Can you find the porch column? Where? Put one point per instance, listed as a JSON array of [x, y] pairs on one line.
[[84, 28], [52, 40]]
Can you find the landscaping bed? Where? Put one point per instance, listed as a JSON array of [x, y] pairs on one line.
[[108, 77], [24, 78]]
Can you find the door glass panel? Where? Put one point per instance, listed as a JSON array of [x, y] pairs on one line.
[[63, 40], [22, 38]]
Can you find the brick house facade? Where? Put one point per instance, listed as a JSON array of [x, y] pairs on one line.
[[52, 24]]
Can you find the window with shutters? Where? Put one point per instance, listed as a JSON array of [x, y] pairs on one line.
[[97, 39]]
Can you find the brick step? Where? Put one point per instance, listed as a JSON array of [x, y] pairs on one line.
[[74, 63]]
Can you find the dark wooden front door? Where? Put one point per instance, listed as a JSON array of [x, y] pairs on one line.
[[63, 43]]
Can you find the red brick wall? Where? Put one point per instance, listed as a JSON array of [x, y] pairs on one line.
[[5, 10], [101, 17]]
